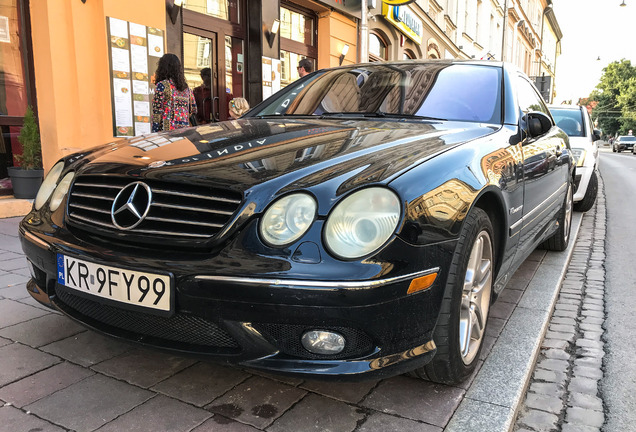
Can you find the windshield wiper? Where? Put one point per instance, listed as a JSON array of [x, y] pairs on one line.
[[379, 114], [413, 117], [261, 116]]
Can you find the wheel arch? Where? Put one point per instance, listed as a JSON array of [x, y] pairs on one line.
[[491, 201]]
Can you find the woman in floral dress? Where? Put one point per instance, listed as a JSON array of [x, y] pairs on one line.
[[173, 101]]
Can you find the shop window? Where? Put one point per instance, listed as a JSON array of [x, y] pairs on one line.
[[203, 52], [296, 26], [14, 87], [377, 47], [222, 9], [297, 40], [234, 81]]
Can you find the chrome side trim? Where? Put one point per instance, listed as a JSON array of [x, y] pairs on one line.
[[318, 284], [538, 208], [36, 240]]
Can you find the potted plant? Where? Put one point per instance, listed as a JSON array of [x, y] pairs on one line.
[[26, 178]]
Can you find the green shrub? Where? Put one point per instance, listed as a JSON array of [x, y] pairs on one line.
[[31, 157]]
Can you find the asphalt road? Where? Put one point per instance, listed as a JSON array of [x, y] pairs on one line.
[[619, 175]]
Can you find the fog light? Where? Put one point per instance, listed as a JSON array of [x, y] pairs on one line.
[[323, 342]]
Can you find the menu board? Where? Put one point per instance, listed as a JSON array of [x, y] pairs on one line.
[[134, 52]]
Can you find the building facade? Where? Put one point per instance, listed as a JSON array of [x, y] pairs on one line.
[[87, 66]]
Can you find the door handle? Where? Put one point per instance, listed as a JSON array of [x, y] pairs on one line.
[[215, 108], [559, 150]]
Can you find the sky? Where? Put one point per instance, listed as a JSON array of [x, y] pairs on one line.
[[591, 29]]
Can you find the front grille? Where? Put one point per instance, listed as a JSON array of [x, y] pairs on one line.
[[178, 331], [286, 337], [177, 211]]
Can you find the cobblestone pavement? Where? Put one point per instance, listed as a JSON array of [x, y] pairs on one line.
[[564, 393], [57, 376]]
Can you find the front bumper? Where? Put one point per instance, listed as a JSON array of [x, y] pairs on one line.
[[581, 181], [256, 321]]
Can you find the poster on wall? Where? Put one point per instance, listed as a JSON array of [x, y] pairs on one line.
[[271, 76], [134, 53], [267, 77]]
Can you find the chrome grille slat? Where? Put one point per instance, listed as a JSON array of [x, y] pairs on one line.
[[93, 196], [97, 185], [89, 208], [91, 221], [178, 211], [185, 222], [197, 209], [191, 195], [169, 233]]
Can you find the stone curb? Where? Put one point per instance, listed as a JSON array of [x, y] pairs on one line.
[[492, 402]]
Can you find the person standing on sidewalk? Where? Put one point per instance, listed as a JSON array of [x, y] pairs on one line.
[[305, 67], [173, 102]]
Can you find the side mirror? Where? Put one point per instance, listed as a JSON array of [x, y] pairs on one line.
[[538, 123], [596, 135]]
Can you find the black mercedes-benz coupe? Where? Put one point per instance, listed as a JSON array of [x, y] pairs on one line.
[[357, 224]]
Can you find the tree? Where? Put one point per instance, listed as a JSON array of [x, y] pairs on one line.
[[615, 95]]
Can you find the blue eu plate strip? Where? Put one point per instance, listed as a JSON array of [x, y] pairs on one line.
[[60, 269]]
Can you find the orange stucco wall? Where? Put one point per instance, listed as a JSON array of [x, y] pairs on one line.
[[334, 31], [72, 77]]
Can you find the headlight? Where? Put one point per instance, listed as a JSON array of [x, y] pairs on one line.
[[48, 185], [288, 219], [362, 222], [579, 156], [61, 190]]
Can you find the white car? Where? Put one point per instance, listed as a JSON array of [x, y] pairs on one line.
[[575, 122]]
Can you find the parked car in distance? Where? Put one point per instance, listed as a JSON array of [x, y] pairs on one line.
[[624, 142], [357, 224], [576, 123]]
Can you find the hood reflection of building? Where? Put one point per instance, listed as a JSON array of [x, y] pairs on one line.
[[444, 206], [501, 166]]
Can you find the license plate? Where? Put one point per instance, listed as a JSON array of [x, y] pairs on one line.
[[132, 287]]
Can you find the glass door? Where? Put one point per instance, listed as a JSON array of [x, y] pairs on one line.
[[200, 64]]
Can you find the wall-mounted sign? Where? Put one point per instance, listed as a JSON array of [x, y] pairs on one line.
[[405, 20], [134, 53]]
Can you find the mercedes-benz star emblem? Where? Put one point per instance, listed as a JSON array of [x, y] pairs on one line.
[[156, 164], [131, 205]]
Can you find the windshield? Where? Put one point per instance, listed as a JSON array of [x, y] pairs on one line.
[[569, 120], [627, 138], [409, 90]]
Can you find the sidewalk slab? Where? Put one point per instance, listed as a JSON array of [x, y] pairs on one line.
[[493, 399], [12, 207]]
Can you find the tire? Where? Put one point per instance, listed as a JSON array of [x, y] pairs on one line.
[[560, 239], [614, 149], [590, 195], [467, 299]]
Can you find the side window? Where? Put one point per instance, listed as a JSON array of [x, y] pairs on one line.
[[529, 98]]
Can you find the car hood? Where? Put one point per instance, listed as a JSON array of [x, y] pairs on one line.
[[251, 154], [580, 142]]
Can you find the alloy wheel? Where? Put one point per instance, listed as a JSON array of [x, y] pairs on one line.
[[475, 298]]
